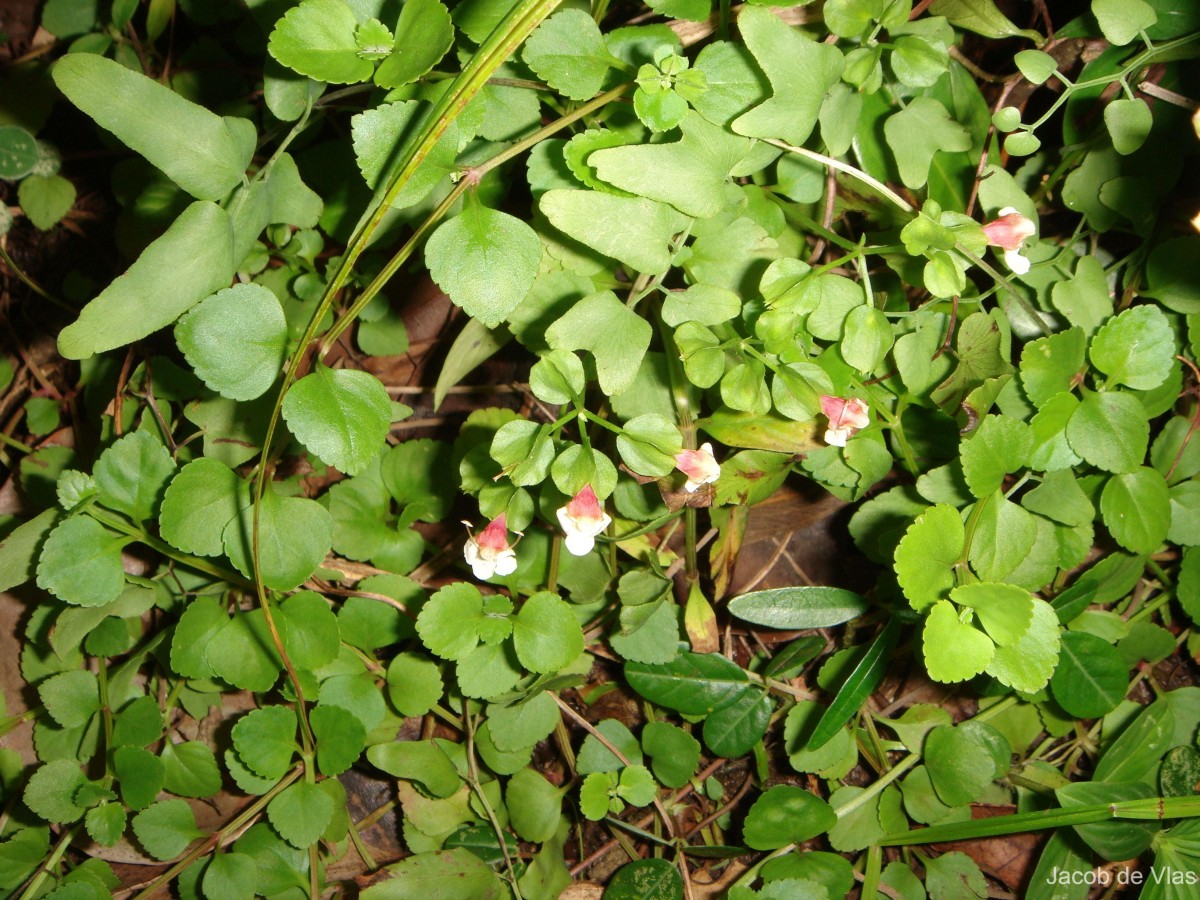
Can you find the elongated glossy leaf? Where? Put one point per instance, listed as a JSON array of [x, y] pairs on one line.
[[799, 607], [693, 683], [182, 267], [861, 683], [197, 149]]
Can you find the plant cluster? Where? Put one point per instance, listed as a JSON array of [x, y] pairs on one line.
[[734, 247]]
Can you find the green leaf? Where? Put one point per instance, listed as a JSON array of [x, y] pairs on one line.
[[786, 815], [613, 333], [182, 267], [999, 445], [51, 790], [688, 174], [422, 761], [596, 757], [295, 536], [636, 786], [866, 338], [1128, 122], [632, 230], [1091, 678], [674, 754], [340, 738], [799, 607], [954, 650], [71, 698], [414, 684], [645, 879], [20, 547], [166, 828], [1121, 20], [1027, 663], [247, 317], [423, 35], [140, 774], [734, 82], [241, 652], [139, 723], [859, 685], [1036, 66], [456, 874], [265, 740], [485, 260], [18, 152], [199, 502], [341, 415], [1050, 364], [648, 445], [693, 683], [800, 71], [919, 131], [1004, 610], [309, 630], [545, 633], [1109, 430], [190, 769], [317, 39], [379, 135], [1171, 274], [534, 805], [521, 725], [926, 554], [105, 823], [556, 378], [736, 727], [200, 622], [448, 621], [230, 876], [980, 16], [45, 199], [201, 152], [301, 813], [568, 52], [132, 474], [1136, 348], [1136, 507], [649, 633], [595, 795], [960, 762], [1113, 840], [81, 562]]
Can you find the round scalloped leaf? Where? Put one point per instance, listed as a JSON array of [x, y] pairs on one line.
[[230, 876], [1136, 508], [568, 52], [166, 828], [340, 738], [242, 652], [340, 415], [1136, 348], [301, 813], [954, 650], [295, 536], [1110, 430], [105, 823], [132, 474], [448, 621], [265, 740], [1091, 678], [71, 698], [199, 502], [235, 340], [81, 563], [485, 260], [1128, 122], [424, 33], [546, 633], [317, 39], [51, 791], [926, 554], [582, 145]]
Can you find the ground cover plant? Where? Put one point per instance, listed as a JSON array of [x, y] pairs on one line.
[[933, 264]]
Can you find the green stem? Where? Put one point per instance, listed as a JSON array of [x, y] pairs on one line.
[[214, 840], [14, 443], [33, 889], [473, 780], [117, 523]]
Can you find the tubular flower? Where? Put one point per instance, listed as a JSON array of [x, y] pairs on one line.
[[582, 519], [846, 418], [700, 467], [489, 552], [1009, 232]]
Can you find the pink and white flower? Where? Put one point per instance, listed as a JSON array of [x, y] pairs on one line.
[[582, 519], [1009, 232], [700, 467], [489, 552], [846, 418]]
